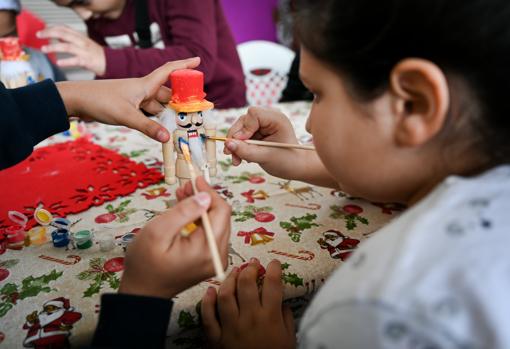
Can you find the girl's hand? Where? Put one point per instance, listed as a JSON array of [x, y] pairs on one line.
[[118, 102], [161, 263], [268, 125], [240, 316]]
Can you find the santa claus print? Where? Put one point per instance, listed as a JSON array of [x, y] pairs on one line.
[[338, 245], [51, 327]]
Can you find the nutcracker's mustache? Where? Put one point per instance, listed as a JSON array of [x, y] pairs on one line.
[[198, 124]]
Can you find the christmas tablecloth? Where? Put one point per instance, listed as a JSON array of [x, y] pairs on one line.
[[50, 295]]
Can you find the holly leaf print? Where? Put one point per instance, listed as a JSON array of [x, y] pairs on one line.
[[186, 320], [292, 279], [31, 287], [114, 281], [86, 275], [94, 287]]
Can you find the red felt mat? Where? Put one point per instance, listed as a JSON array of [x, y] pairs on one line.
[[69, 178]]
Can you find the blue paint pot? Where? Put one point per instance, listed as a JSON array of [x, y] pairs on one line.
[[60, 238]]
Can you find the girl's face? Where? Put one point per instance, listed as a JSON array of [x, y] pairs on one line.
[[357, 141], [87, 9]]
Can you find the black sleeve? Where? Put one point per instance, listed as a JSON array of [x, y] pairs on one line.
[[127, 321], [28, 115]]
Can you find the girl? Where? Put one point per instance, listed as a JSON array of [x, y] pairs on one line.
[[412, 96]]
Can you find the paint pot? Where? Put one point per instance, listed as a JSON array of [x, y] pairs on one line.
[[83, 239], [60, 223], [43, 216], [60, 238], [37, 236], [126, 239], [15, 235], [106, 243], [18, 218]]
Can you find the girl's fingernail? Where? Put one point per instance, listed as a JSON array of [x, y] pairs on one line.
[[203, 199], [162, 136], [235, 269], [232, 145], [211, 290], [254, 260]]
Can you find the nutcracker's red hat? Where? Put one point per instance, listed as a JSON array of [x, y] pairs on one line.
[[188, 94]]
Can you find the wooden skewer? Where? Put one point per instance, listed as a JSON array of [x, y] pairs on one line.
[[267, 144], [218, 267]]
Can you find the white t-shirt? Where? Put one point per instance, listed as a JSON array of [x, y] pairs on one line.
[[437, 277]]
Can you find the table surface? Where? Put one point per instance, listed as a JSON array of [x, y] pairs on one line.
[[309, 229]]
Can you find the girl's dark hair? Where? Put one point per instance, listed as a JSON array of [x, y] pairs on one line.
[[469, 39]]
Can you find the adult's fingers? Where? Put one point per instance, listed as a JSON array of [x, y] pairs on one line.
[[209, 321]]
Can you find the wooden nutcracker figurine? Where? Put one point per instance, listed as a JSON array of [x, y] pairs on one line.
[[186, 120]]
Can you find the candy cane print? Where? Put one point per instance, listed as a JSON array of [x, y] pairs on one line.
[[313, 207], [75, 260], [309, 257]]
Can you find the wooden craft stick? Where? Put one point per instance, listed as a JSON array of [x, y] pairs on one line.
[[267, 144], [218, 267]]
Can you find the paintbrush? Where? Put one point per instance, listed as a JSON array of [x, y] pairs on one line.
[[265, 143], [218, 267]]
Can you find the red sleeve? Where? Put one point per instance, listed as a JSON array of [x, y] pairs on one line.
[[192, 24]]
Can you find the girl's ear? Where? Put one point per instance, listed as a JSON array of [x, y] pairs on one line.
[[420, 100]]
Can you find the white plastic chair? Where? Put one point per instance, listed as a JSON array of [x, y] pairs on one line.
[[265, 65]]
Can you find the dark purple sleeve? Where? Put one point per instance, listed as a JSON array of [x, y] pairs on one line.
[[192, 24]]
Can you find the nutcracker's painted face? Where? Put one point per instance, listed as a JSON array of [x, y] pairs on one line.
[[190, 121]]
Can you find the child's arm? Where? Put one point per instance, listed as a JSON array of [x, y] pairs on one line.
[[160, 264], [118, 102], [271, 125], [28, 115]]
